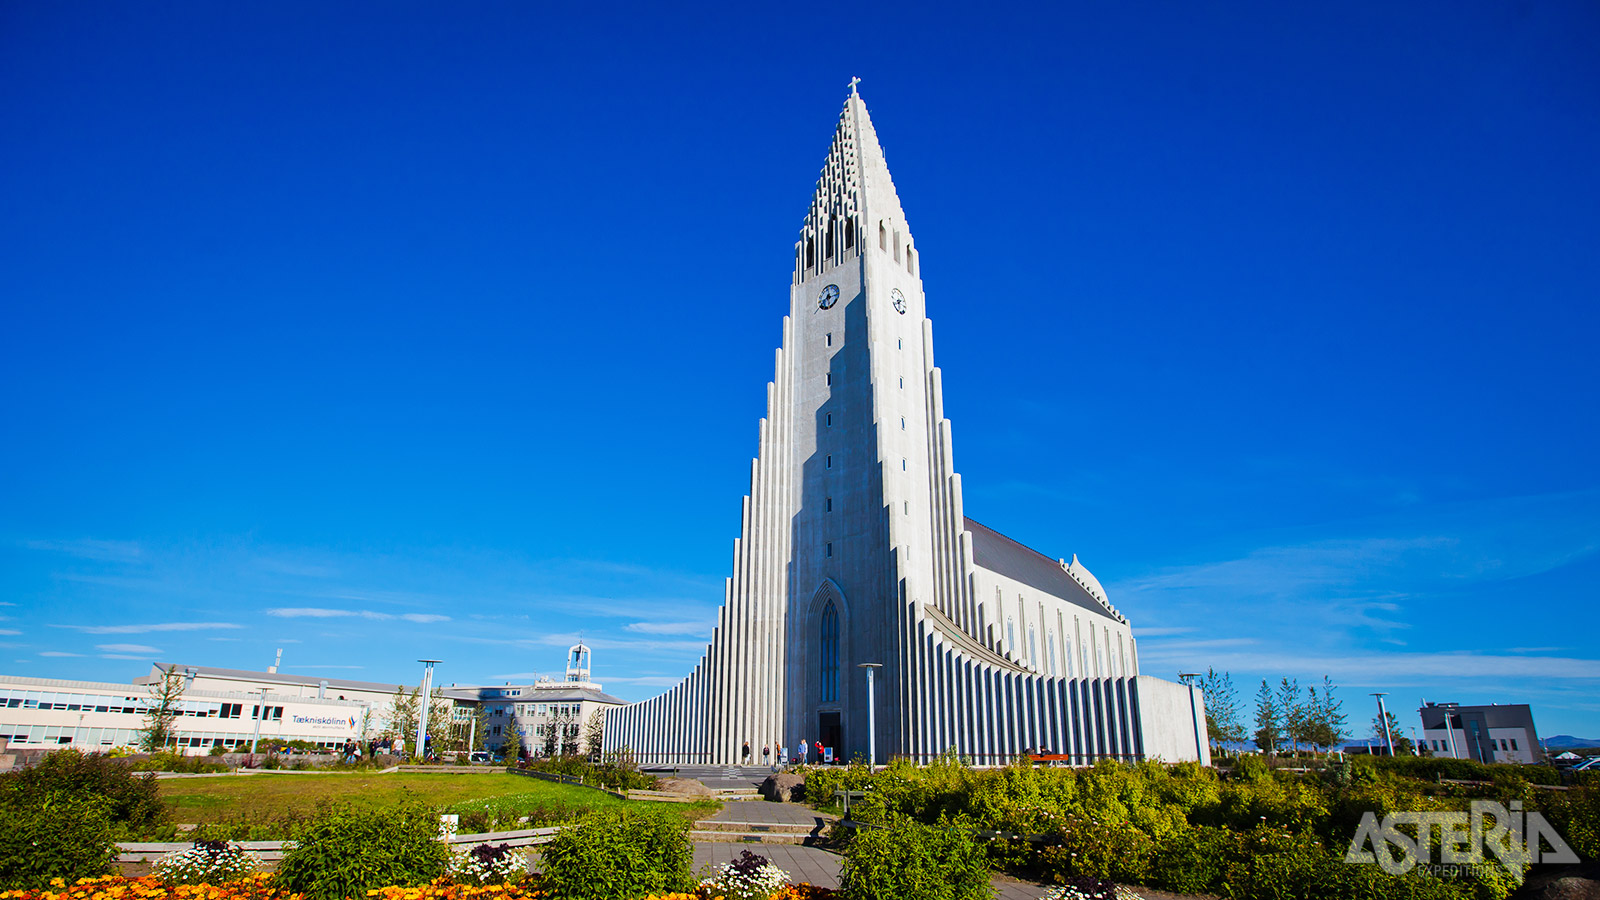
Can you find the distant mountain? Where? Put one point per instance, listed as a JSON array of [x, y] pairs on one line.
[[1568, 742]]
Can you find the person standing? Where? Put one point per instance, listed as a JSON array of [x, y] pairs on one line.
[[746, 760], [801, 750], [766, 754]]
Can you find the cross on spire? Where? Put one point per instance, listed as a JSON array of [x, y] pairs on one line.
[[853, 83]]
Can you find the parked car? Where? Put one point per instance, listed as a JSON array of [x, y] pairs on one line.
[[479, 757]]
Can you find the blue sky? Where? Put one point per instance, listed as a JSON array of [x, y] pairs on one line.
[[385, 331]]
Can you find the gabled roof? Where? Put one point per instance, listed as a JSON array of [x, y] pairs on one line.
[[1002, 555]]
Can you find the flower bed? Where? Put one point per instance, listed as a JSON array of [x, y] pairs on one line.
[[259, 887]]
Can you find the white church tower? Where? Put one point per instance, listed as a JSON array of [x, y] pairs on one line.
[[855, 548]]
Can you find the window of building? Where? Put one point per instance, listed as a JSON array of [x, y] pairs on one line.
[[902, 423], [830, 654], [827, 505], [1513, 743], [849, 234], [902, 382], [897, 245], [829, 376], [908, 507], [1033, 646], [830, 339], [827, 420], [902, 463], [1011, 636], [829, 463], [883, 240], [1050, 652], [911, 265], [827, 550]]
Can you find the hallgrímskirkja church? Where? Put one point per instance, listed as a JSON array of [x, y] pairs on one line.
[[855, 548]]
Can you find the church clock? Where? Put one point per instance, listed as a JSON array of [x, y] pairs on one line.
[[899, 301], [830, 296]]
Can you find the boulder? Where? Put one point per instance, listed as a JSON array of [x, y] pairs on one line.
[[784, 787], [686, 786]]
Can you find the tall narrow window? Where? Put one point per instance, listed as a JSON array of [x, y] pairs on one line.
[[902, 423], [849, 234], [902, 382], [1050, 652], [1033, 647], [883, 240], [830, 379], [830, 339], [902, 463], [911, 265], [828, 420], [829, 463], [1011, 636], [827, 551], [830, 654], [811, 255], [897, 245], [827, 505], [899, 343], [908, 507]]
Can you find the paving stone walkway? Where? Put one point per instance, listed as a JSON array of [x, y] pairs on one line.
[[821, 868]]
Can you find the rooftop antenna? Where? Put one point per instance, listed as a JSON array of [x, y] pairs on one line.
[[273, 669]]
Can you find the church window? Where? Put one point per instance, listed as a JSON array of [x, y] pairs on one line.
[[828, 420], [902, 463], [830, 379], [902, 423], [902, 382], [897, 245], [911, 265], [849, 234], [899, 343], [830, 339], [830, 654], [827, 550], [883, 240], [1011, 636], [1033, 646], [1050, 652], [811, 256], [829, 254], [829, 463], [827, 505], [908, 507]]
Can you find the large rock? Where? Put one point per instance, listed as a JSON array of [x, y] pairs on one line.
[[687, 786], [784, 787]]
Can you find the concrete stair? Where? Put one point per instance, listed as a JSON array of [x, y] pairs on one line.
[[733, 831]]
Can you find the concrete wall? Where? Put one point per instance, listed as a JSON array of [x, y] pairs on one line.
[[1172, 720]]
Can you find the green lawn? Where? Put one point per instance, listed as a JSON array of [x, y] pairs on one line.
[[270, 802]]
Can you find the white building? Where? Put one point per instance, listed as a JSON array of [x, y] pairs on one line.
[[562, 708], [38, 713], [855, 549]]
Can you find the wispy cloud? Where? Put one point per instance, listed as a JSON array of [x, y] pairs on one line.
[[56, 653], [319, 612], [9, 631], [670, 627], [126, 648], [320, 666], [147, 629], [1387, 666], [88, 548]]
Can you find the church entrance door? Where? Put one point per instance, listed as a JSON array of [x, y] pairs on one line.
[[828, 734]]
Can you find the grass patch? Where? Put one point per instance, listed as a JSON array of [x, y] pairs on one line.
[[266, 806]]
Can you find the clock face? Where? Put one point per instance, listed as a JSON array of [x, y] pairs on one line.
[[899, 301], [830, 296]]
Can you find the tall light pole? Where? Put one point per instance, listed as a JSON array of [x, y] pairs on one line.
[[1383, 721], [1194, 710], [261, 713], [422, 717], [872, 722]]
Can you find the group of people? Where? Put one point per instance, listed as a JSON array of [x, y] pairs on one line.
[[801, 751]]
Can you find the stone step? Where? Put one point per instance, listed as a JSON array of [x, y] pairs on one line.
[[764, 827], [748, 837]]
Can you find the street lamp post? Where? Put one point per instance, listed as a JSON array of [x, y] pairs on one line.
[[261, 713], [422, 717], [1383, 721], [872, 725], [1194, 710]]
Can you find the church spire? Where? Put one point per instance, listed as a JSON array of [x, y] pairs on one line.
[[854, 180]]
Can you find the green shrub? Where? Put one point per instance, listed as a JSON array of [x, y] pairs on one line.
[[52, 834], [619, 854], [348, 850], [904, 858], [131, 803], [177, 762], [618, 772]]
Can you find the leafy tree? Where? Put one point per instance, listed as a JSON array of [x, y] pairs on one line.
[[512, 746], [1328, 723], [1268, 720], [1222, 707], [479, 733], [1293, 712], [594, 733], [161, 709], [552, 739], [404, 710], [1402, 744]]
